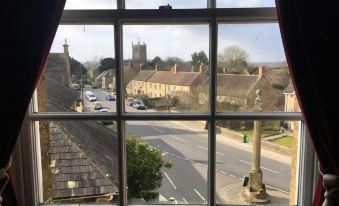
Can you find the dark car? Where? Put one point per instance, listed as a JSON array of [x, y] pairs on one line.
[[110, 97], [130, 101], [138, 104], [105, 121]]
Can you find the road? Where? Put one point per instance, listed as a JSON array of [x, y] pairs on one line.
[[185, 143]]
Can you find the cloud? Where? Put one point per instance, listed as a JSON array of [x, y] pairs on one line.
[[261, 41]]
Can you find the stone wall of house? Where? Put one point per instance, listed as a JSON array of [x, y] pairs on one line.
[[270, 98], [294, 155], [44, 141]]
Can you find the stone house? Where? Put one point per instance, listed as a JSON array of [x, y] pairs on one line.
[[57, 67], [155, 83], [238, 92], [108, 81]]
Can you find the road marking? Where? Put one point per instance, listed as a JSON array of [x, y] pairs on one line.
[[202, 147], [232, 175], [158, 129], [170, 180], [162, 198], [177, 138], [220, 153], [223, 172], [261, 167], [198, 193], [277, 189], [185, 201], [143, 123], [173, 130]]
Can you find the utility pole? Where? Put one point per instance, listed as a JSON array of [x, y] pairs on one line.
[[255, 191], [82, 87]]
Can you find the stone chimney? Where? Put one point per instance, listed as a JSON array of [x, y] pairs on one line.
[[261, 71], [202, 68], [175, 68], [68, 65], [156, 67]]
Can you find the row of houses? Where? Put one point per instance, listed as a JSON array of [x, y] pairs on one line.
[[231, 88]]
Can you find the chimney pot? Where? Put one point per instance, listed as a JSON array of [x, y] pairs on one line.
[[261, 71], [175, 68], [202, 68]]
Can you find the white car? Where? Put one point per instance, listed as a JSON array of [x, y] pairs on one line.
[[97, 105], [92, 98]]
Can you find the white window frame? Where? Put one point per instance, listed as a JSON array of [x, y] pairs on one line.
[[31, 179]]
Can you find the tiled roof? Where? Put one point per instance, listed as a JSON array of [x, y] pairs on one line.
[[179, 78], [144, 75], [61, 93], [234, 85], [56, 66], [73, 174]]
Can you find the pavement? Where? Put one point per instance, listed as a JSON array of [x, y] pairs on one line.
[[232, 195]]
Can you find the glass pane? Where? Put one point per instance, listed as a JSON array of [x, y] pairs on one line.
[[174, 4], [90, 4], [275, 166], [153, 145], [244, 3], [79, 161], [165, 67], [251, 58], [79, 71]]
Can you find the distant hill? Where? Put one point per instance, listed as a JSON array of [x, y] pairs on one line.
[[278, 64]]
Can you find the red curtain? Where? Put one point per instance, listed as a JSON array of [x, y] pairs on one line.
[[310, 33], [27, 30]]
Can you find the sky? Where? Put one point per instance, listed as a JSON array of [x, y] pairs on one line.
[[262, 42]]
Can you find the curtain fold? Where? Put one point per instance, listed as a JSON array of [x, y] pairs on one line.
[[27, 30], [310, 34]]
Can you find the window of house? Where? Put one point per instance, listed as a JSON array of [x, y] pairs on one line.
[[198, 147]]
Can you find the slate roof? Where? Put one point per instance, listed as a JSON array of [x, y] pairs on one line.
[[61, 93], [73, 174], [55, 67], [144, 75], [179, 78], [234, 85], [109, 73], [98, 78], [84, 153], [289, 88], [95, 140]]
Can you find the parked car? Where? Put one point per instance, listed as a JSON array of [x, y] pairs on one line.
[[129, 101], [92, 98], [106, 121], [97, 105], [138, 104], [110, 97]]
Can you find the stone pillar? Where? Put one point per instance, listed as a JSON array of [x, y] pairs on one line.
[[255, 191], [44, 141], [294, 156]]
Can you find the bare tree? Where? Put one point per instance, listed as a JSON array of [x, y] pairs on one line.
[[233, 60]]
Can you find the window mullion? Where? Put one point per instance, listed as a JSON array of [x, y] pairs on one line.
[[120, 4], [119, 108], [212, 111], [211, 4]]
